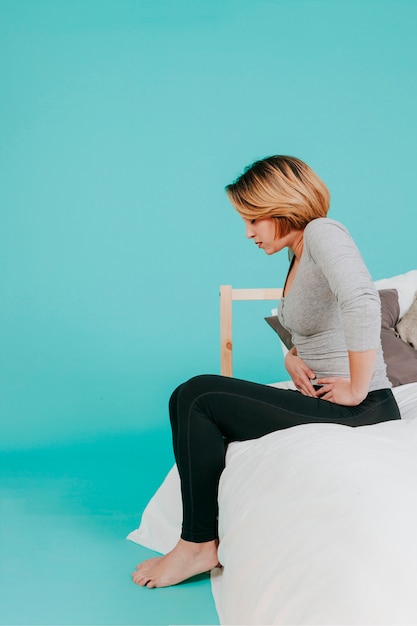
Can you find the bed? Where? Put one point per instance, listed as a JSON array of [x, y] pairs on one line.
[[317, 523]]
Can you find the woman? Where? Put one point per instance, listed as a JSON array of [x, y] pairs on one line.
[[332, 310]]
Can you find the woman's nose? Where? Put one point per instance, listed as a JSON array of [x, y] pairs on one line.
[[249, 231]]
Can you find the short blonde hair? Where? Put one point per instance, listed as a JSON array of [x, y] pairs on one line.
[[281, 187]]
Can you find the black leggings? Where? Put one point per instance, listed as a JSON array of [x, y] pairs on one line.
[[206, 412]]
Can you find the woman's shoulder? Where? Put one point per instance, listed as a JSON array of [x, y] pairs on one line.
[[326, 236], [324, 226]]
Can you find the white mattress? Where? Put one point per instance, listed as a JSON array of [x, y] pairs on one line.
[[318, 525]]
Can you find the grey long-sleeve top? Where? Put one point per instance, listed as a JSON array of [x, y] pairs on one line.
[[333, 305]]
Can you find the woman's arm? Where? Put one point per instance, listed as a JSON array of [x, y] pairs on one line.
[[351, 284], [333, 250], [350, 391]]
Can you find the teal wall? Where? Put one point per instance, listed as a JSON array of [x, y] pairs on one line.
[[120, 123]]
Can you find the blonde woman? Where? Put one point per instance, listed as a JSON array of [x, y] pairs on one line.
[[332, 310]]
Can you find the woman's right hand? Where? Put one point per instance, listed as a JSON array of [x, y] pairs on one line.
[[300, 373]]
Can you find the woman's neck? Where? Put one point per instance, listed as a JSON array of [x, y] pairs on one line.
[[297, 245]]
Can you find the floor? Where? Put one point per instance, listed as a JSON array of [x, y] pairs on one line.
[[64, 560]]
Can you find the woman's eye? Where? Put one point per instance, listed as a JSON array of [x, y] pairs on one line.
[[252, 221]]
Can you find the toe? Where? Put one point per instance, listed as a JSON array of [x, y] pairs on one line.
[[137, 578]]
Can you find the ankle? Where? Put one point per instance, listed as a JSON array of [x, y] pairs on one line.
[[199, 544]]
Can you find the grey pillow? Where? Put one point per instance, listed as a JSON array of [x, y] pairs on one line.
[[282, 332], [400, 357]]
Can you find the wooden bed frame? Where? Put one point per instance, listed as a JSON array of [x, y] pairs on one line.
[[227, 296]]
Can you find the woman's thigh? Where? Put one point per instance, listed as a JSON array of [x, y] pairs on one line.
[[245, 410]]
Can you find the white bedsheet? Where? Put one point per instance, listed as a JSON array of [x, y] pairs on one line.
[[318, 524]]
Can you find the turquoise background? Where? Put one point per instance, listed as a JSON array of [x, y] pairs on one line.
[[121, 121]]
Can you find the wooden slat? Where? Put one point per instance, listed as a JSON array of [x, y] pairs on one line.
[[256, 294], [226, 330], [227, 295]]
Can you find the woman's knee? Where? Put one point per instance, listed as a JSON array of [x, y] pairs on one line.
[[200, 384], [195, 387], [189, 388]]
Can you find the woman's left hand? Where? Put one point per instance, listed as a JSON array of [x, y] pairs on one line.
[[339, 391]]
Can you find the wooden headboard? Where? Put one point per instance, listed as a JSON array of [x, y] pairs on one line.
[[227, 295]]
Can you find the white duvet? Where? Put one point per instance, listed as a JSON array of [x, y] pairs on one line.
[[318, 524]]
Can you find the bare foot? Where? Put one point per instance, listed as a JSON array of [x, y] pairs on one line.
[[185, 560]]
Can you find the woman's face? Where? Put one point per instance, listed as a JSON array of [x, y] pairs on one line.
[[262, 231]]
